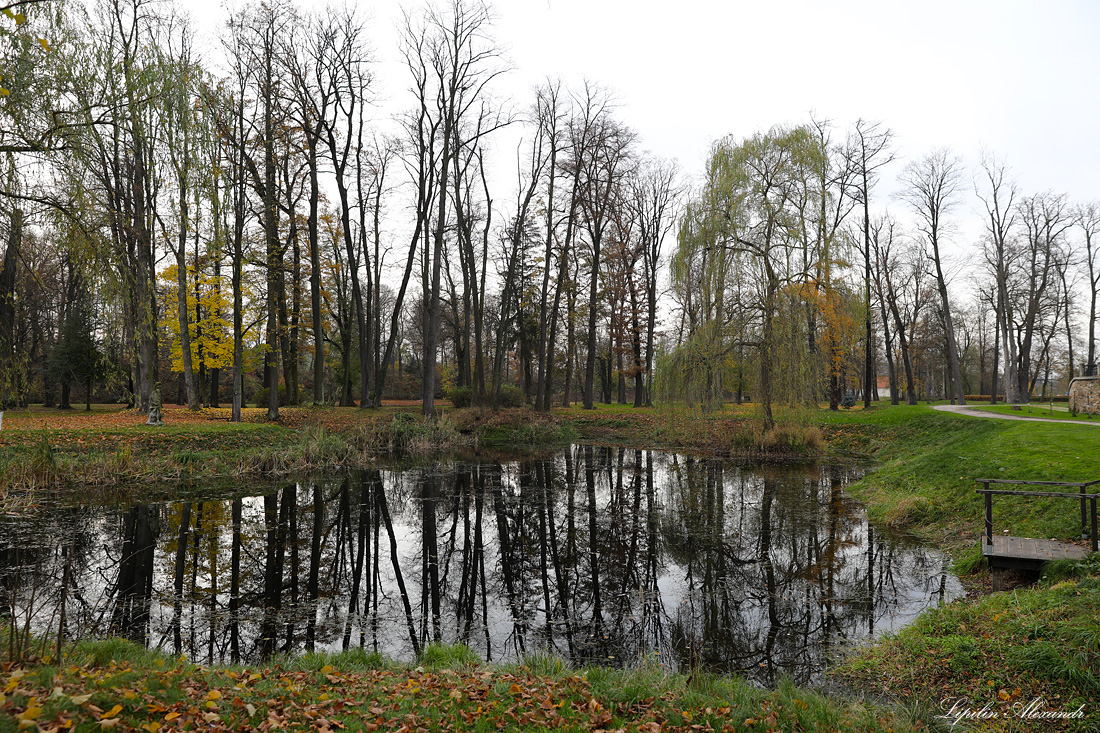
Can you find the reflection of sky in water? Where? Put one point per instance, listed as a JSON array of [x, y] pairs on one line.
[[683, 580]]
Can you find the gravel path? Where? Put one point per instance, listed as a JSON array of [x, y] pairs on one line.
[[966, 410]]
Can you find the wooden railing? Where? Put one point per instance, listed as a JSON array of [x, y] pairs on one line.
[[1088, 519]]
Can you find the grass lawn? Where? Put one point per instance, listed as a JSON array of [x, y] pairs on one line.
[[1060, 412], [1002, 650]]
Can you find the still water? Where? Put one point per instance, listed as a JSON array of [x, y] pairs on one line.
[[602, 555]]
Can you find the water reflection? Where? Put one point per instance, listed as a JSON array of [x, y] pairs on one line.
[[597, 554]]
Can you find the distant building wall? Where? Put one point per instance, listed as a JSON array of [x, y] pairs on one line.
[[1084, 395]]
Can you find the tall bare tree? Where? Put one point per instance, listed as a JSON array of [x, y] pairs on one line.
[[182, 75], [344, 76], [870, 151], [1044, 218], [998, 193], [600, 150], [453, 61], [310, 109], [551, 116], [656, 191], [1087, 217], [932, 189], [258, 32]]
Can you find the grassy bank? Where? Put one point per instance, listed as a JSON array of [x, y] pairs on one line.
[[1001, 652], [111, 453], [114, 684], [927, 463], [995, 652]]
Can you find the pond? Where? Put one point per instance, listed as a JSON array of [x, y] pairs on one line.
[[600, 555]]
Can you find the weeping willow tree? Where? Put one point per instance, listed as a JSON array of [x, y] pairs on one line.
[[746, 250], [698, 371]]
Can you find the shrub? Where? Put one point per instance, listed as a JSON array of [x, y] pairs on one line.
[[461, 396], [511, 396]]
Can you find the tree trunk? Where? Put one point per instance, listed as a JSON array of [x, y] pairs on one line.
[[590, 360], [315, 277]]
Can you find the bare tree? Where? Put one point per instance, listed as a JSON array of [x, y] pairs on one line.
[[257, 38], [1045, 218], [550, 114], [822, 250], [1087, 218], [931, 189], [883, 240], [181, 74], [869, 149], [342, 73], [656, 191], [999, 196], [452, 59], [600, 157], [310, 108]]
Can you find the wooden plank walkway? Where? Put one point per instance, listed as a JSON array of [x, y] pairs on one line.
[[1003, 552]]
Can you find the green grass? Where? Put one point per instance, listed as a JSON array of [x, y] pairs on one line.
[[129, 687], [1003, 650], [928, 462], [1038, 410], [442, 656]]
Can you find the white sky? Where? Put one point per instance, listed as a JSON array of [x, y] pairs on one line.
[[1020, 78]]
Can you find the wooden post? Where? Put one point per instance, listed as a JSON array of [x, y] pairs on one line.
[[1094, 538], [1084, 519], [988, 517]]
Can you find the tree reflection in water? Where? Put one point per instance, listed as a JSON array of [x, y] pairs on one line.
[[603, 555]]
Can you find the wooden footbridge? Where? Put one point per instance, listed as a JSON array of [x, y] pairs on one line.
[[1023, 553]]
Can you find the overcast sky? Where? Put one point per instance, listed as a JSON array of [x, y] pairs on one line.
[[1020, 78]]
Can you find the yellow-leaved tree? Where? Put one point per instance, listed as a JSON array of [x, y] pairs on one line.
[[208, 316]]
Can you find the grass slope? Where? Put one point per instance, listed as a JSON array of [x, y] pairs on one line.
[[928, 462], [1001, 652]]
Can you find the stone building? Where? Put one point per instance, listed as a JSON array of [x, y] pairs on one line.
[[1084, 395]]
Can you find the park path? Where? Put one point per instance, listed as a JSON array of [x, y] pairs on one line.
[[972, 412]]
